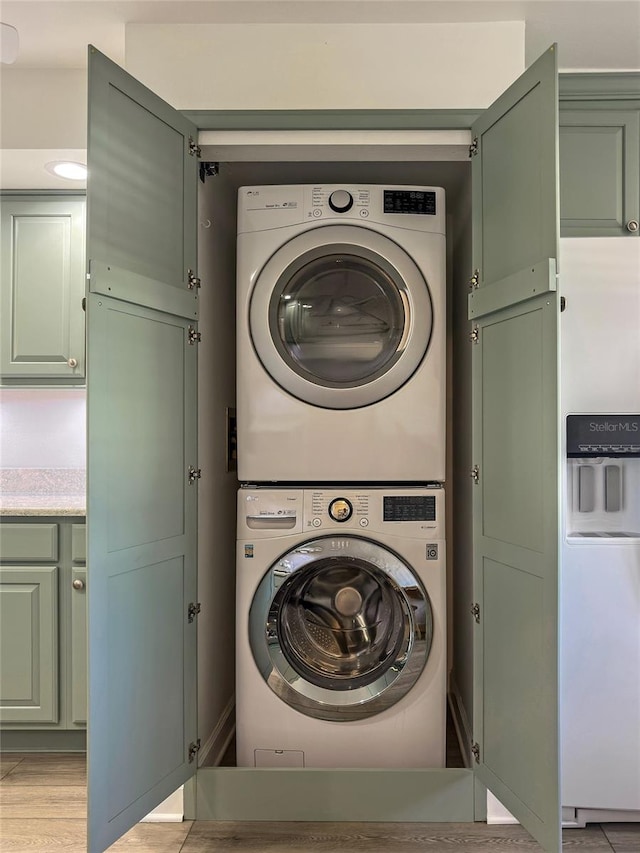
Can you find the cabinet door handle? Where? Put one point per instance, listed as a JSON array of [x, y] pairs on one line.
[[632, 225], [78, 584], [72, 362]]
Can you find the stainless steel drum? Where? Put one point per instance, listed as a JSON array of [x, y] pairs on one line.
[[340, 628]]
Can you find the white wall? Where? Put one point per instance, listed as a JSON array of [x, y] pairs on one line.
[[43, 117], [43, 108], [42, 428], [326, 66]]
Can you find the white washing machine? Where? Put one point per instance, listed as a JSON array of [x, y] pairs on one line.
[[341, 334], [341, 629]]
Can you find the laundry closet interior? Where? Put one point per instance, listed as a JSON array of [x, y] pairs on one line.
[[217, 260], [154, 513], [217, 253]]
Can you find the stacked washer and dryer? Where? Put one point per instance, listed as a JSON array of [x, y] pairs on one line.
[[341, 573]]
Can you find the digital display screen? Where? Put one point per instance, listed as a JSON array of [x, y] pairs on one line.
[[410, 201], [409, 508], [603, 435]]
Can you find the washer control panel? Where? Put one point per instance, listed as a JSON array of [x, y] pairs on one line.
[[409, 508], [414, 512], [264, 513], [340, 509], [410, 512]]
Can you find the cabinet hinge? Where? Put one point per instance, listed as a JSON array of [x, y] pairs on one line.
[[193, 610], [475, 612], [194, 749], [473, 148], [194, 148], [474, 473], [208, 170], [192, 280], [194, 336], [474, 335], [193, 474], [474, 281], [475, 751]]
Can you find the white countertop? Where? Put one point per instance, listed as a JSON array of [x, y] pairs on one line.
[[30, 505], [42, 492]]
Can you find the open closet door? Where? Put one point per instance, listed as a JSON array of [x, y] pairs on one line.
[[514, 333], [142, 410]]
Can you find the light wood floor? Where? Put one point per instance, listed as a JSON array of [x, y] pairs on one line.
[[43, 804]]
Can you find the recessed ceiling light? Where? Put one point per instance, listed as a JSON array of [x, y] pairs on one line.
[[67, 169]]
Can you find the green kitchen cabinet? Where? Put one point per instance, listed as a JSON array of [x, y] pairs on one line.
[[43, 671], [42, 286], [29, 644], [600, 155], [38, 542]]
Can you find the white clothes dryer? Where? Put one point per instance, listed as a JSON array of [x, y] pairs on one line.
[[341, 628], [341, 297]]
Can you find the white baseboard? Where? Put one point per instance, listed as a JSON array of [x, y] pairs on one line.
[[497, 814], [585, 816], [170, 810]]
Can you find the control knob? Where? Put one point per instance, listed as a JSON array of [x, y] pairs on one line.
[[340, 201], [340, 509]]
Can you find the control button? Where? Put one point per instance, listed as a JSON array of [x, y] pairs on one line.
[[364, 522], [340, 509], [364, 212], [340, 201], [317, 212], [316, 522]]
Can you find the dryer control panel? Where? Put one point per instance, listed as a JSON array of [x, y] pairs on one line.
[[415, 208], [408, 207]]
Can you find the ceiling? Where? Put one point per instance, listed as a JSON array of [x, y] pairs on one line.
[[592, 34], [54, 34]]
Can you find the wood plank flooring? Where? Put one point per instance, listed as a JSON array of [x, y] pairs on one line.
[[377, 838], [43, 804]]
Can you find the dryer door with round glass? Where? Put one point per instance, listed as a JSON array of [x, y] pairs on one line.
[[340, 316], [340, 628]]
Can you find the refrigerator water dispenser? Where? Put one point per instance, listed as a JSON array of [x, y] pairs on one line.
[[603, 476]]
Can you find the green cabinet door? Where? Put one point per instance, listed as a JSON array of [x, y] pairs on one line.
[[42, 285], [78, 648], [515, 449], [29, 644], [599, 170], [142, 442], [77, 651]]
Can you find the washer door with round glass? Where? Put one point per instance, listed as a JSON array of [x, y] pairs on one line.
[[340, 316], [340, 628]]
